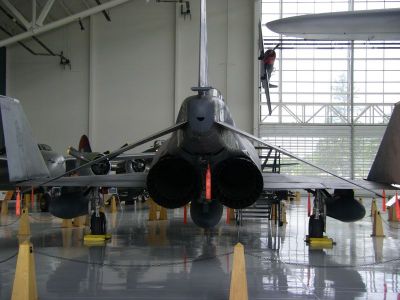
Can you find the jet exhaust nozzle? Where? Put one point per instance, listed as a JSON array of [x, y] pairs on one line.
[[237, 182], [173, 182], [344, 207]]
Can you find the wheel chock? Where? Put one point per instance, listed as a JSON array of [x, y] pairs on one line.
[[163, 214], [4, 207], [152, 210], [238, 288], [113, 206], [373, 207], [392, 216], [377, 227], [4, 203], [298, 196], [24, 287], [79, 221], [320, 243], [66, 223], [27, 200], [96, 237], [24, 227]]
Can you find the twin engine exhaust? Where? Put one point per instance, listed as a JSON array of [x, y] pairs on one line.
[[236, 182]]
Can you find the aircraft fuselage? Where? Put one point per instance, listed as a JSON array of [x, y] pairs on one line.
[[178, 170]]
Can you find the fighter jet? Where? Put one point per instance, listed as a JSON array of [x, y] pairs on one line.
[[375, 24], [207, 161]]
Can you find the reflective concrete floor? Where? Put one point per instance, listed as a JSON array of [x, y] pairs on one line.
[[171, 260]]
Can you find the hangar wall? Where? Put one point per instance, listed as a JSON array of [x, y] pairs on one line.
[[129, 77]]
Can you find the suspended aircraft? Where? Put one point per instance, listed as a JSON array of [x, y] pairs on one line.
[[267, 61], [370, 25], [207, 161]]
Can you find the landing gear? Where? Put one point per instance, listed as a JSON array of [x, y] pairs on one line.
[[98, 224], [315, 227], [317, 222], [44, 202]]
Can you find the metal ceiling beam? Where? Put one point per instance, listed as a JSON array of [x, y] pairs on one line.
[[17, 14], [62, 22], [33, 22], [45, 12]]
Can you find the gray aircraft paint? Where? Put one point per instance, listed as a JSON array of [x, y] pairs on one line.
[[26, 161], [377, 24]]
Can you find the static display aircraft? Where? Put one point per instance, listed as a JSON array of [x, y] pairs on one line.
[[376, 24], [267, 60], [206, 161]]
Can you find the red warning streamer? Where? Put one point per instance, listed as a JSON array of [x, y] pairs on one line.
[[185, 214], [397, 207], [18, 203], [208, 183], [383, 201]]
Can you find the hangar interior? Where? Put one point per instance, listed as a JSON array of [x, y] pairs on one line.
[[122, 74]]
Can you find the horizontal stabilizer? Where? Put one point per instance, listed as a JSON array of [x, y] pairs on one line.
[[23, 156], [386, 166]]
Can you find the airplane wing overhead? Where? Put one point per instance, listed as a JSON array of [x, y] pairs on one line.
[[128, 180], [376, 24]]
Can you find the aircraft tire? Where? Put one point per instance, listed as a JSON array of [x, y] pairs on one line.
[[44, 202], [315, 227], [98, 225]]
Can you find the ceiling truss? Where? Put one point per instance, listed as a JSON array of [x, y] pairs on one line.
[[41, 21]]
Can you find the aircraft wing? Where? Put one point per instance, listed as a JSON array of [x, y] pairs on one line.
[[375, 24], [274, 181], [128, 180], [308, 182], [143, 155]]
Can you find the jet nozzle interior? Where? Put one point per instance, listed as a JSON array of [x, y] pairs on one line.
[[173, 182], [237, 182]]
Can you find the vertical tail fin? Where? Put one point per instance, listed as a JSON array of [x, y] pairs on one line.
[[203, 57], [23, 156], [84, 144], [386, 166]]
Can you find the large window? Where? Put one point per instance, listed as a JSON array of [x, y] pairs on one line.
[[333, 98]]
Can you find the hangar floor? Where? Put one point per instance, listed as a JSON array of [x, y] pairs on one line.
[[170, 260]]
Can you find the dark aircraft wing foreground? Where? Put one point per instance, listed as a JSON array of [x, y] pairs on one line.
[[206, 161]]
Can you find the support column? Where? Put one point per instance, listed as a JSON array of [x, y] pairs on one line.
[[3, 71]]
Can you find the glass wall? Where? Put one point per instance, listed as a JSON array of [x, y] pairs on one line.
[[333, 98]]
